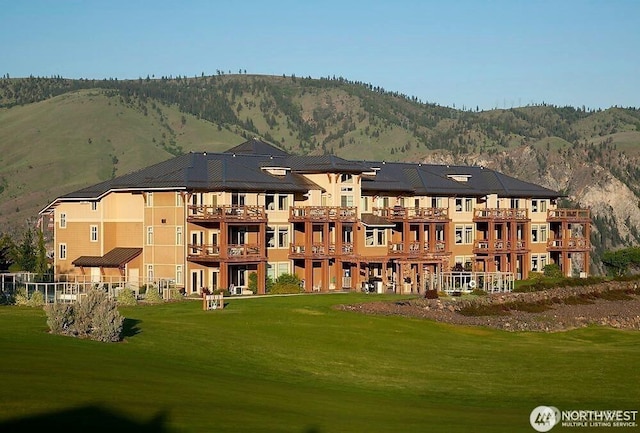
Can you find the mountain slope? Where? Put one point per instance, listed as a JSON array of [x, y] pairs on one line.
[[58, 135]]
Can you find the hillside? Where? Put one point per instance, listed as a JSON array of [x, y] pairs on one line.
[[58, 135]]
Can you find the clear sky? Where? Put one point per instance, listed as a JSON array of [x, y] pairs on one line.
[[462, 53]]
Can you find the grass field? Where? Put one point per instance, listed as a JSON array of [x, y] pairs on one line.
[[295, 364]]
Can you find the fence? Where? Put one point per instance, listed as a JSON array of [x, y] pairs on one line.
[[467, 282], [70, 288]]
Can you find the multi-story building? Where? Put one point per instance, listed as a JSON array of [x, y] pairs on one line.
[[209, 220]]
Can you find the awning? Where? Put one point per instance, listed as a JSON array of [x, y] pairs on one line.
[[371, 220], [116, 258]]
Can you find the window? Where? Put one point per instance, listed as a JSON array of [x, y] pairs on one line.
[[274, 270], [94, 205], [458, 234], [271, 237], [543, 205], [346, 196], [179, 200], [515, 203], [436, 202], [179, 273], [464, 234], [346, 178], [238, 199], [539, 233], [148, 199], [364, 203], [283, 237], [63, 220], [538, 262], [468, 234], [62, 255], [179, 235], [150, 235], [375, 237], [93, 233], [458, 205], [468, 205], [150, 273]]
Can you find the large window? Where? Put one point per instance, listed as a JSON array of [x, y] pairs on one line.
[[276, 201], [63, 221], [278, 237], [62, 251], [538, 262], [464, 234], [375, 237], [346, 196], [539, 233], [538, 205], [179, 274]]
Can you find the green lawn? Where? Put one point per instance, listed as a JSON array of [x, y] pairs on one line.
[[295, 364]]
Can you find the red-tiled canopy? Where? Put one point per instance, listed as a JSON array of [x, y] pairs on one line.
[[116, 258]]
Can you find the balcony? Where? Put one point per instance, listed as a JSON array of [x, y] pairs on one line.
[[214, 253], [226, 213], [417, 249], [500, 214], [571, 215], [322, 213], [416, 214], [318, 250], [569, 244], [484, 246]]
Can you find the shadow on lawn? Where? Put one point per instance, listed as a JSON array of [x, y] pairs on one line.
[[85, 419], [130, 327]]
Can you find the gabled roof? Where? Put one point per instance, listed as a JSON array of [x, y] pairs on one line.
[[257, 147]]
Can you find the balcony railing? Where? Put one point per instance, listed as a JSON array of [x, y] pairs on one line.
[[322, 213], [226, 213], [573, 243], [500, 214], [320, 250], [234, 252], [412, 213], [499, 246], [568, 215], [416, 248]]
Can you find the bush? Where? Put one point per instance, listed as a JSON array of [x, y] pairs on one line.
[[285, 288], [431, 294], [552, 270], [126, 297], [21, 297], [94, 317], [153, 296], [36, 299]]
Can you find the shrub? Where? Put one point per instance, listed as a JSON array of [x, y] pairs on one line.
[[21, 297], [552, 270], [94, 317], [36, 299], [126, 297], [153, 296], [253, 282], [285, 288]]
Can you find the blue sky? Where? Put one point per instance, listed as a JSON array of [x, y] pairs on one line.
[[486, 54]]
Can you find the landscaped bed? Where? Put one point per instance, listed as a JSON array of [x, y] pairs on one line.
[[614, 304]]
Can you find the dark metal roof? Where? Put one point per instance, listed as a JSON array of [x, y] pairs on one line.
[[116, 258], [257, 147], [246, 167]]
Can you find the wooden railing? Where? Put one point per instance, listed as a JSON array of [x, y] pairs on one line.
[[572, 243], [226, 213], [413, 213], [498, 245], [416, 248], [322, 213], [568, 215], [500, 214]]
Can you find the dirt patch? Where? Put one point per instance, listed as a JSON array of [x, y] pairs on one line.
[[615, 305]]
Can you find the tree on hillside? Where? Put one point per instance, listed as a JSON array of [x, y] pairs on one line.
[[6, 250]]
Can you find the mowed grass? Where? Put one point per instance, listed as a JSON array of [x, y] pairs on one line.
[[296, 364]]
